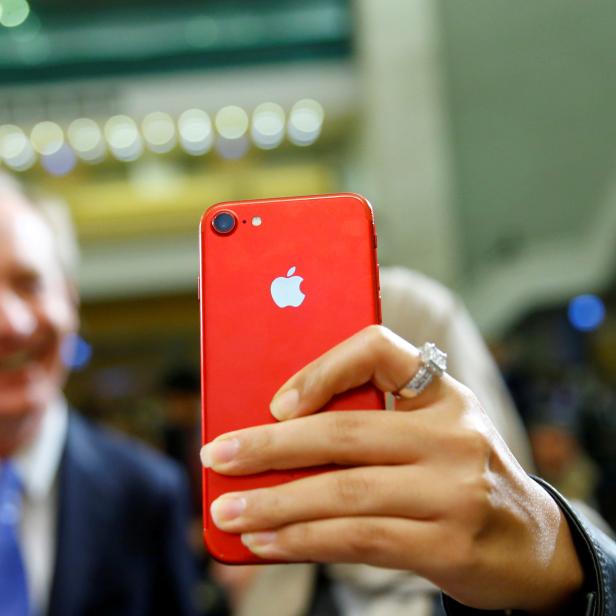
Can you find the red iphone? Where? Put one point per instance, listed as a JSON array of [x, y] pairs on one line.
[[281, 282]]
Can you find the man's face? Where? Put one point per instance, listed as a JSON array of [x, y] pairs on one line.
[[37, 310]]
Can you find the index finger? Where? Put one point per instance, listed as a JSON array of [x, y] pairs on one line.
[[375, 354]]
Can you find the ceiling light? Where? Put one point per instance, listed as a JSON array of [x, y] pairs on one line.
[[86, 138], [231, 122], [195, 128], [15, 148], [123, 138], [14, 12], [47, 137], [305, 122], [267, 128], [159, 132]]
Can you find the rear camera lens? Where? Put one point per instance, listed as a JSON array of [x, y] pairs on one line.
[[224, 222]]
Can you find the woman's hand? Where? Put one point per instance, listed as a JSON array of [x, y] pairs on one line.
[[432, 488]]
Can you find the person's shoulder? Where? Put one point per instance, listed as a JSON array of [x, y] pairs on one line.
[[415, 305], [131, 461], [401, 281]]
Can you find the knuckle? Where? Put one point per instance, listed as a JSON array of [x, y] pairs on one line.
[[299, 538], [471, 444], [478, 445], [465, 394], [462, 402], [316, 375], [379, 339], [344, 430], [272, 504], [456, 551], [351, 489], [458, 404], [462, 553], [265, 508], [266, 439], [374, 332], [476, 505], [254, 450], [480, 489], [368, 538]]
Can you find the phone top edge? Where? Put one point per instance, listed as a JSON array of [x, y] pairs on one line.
[[222, 205]]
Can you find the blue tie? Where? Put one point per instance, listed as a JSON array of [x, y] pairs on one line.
[[13, 584]]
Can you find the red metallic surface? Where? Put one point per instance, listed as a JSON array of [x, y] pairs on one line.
[[250, 346]]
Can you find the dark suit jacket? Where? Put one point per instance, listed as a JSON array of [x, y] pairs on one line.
[[122, 530]]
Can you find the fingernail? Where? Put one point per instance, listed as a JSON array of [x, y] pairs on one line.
[[285, 405], [219, 452], [227, 508], [256, 542]]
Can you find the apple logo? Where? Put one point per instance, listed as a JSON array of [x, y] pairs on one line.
[[285, 290]]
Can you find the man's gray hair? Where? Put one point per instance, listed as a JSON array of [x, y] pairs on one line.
[[55, 213]]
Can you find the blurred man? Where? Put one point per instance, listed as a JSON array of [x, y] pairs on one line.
[[180, 390], [90, 523]]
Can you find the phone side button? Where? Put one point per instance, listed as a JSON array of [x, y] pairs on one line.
[[379, 314]]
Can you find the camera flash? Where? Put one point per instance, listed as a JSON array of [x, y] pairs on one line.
[[256, 221]]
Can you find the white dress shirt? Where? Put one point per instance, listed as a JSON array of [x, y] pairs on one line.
[[38, 464]]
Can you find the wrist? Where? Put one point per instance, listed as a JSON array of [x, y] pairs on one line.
[[560, 579], [567, 583]]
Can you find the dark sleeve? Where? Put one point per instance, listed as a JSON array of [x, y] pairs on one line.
[[597, 553], [174, 566]]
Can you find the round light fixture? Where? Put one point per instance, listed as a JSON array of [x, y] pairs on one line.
[[195, 129], [123, 138], [267, 129], [13, 13], [47, 137], [15, 148], [86, 138], [305, 122], [159, 132]]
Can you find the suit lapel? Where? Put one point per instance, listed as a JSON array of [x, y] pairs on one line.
[[80, 525]]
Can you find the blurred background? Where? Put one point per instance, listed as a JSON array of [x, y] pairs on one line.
[[483, 132]]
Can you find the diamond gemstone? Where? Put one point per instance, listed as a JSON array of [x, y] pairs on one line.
[[435, 359]]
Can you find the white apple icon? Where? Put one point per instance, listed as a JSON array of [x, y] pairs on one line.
[[285, 290]]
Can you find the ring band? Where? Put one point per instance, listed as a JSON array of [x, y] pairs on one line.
[[433, 363]]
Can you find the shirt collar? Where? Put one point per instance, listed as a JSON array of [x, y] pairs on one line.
[[39, 461]]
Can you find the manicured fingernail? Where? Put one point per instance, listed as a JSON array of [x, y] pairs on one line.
[[285, 405], [219, 452], [257, 542], [227, 508]]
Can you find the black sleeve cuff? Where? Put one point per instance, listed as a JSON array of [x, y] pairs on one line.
[[597, 554]]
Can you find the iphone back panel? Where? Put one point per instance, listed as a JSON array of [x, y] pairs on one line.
[[285, 280]]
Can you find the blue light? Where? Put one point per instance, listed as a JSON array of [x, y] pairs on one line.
[[76, 352], [586, 312]]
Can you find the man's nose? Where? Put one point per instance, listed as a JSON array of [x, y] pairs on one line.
[[16, 317]]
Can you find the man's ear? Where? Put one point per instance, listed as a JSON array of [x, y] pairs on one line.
[[72, 292]]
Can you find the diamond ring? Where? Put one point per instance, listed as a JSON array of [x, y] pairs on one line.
[[433, 363]]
